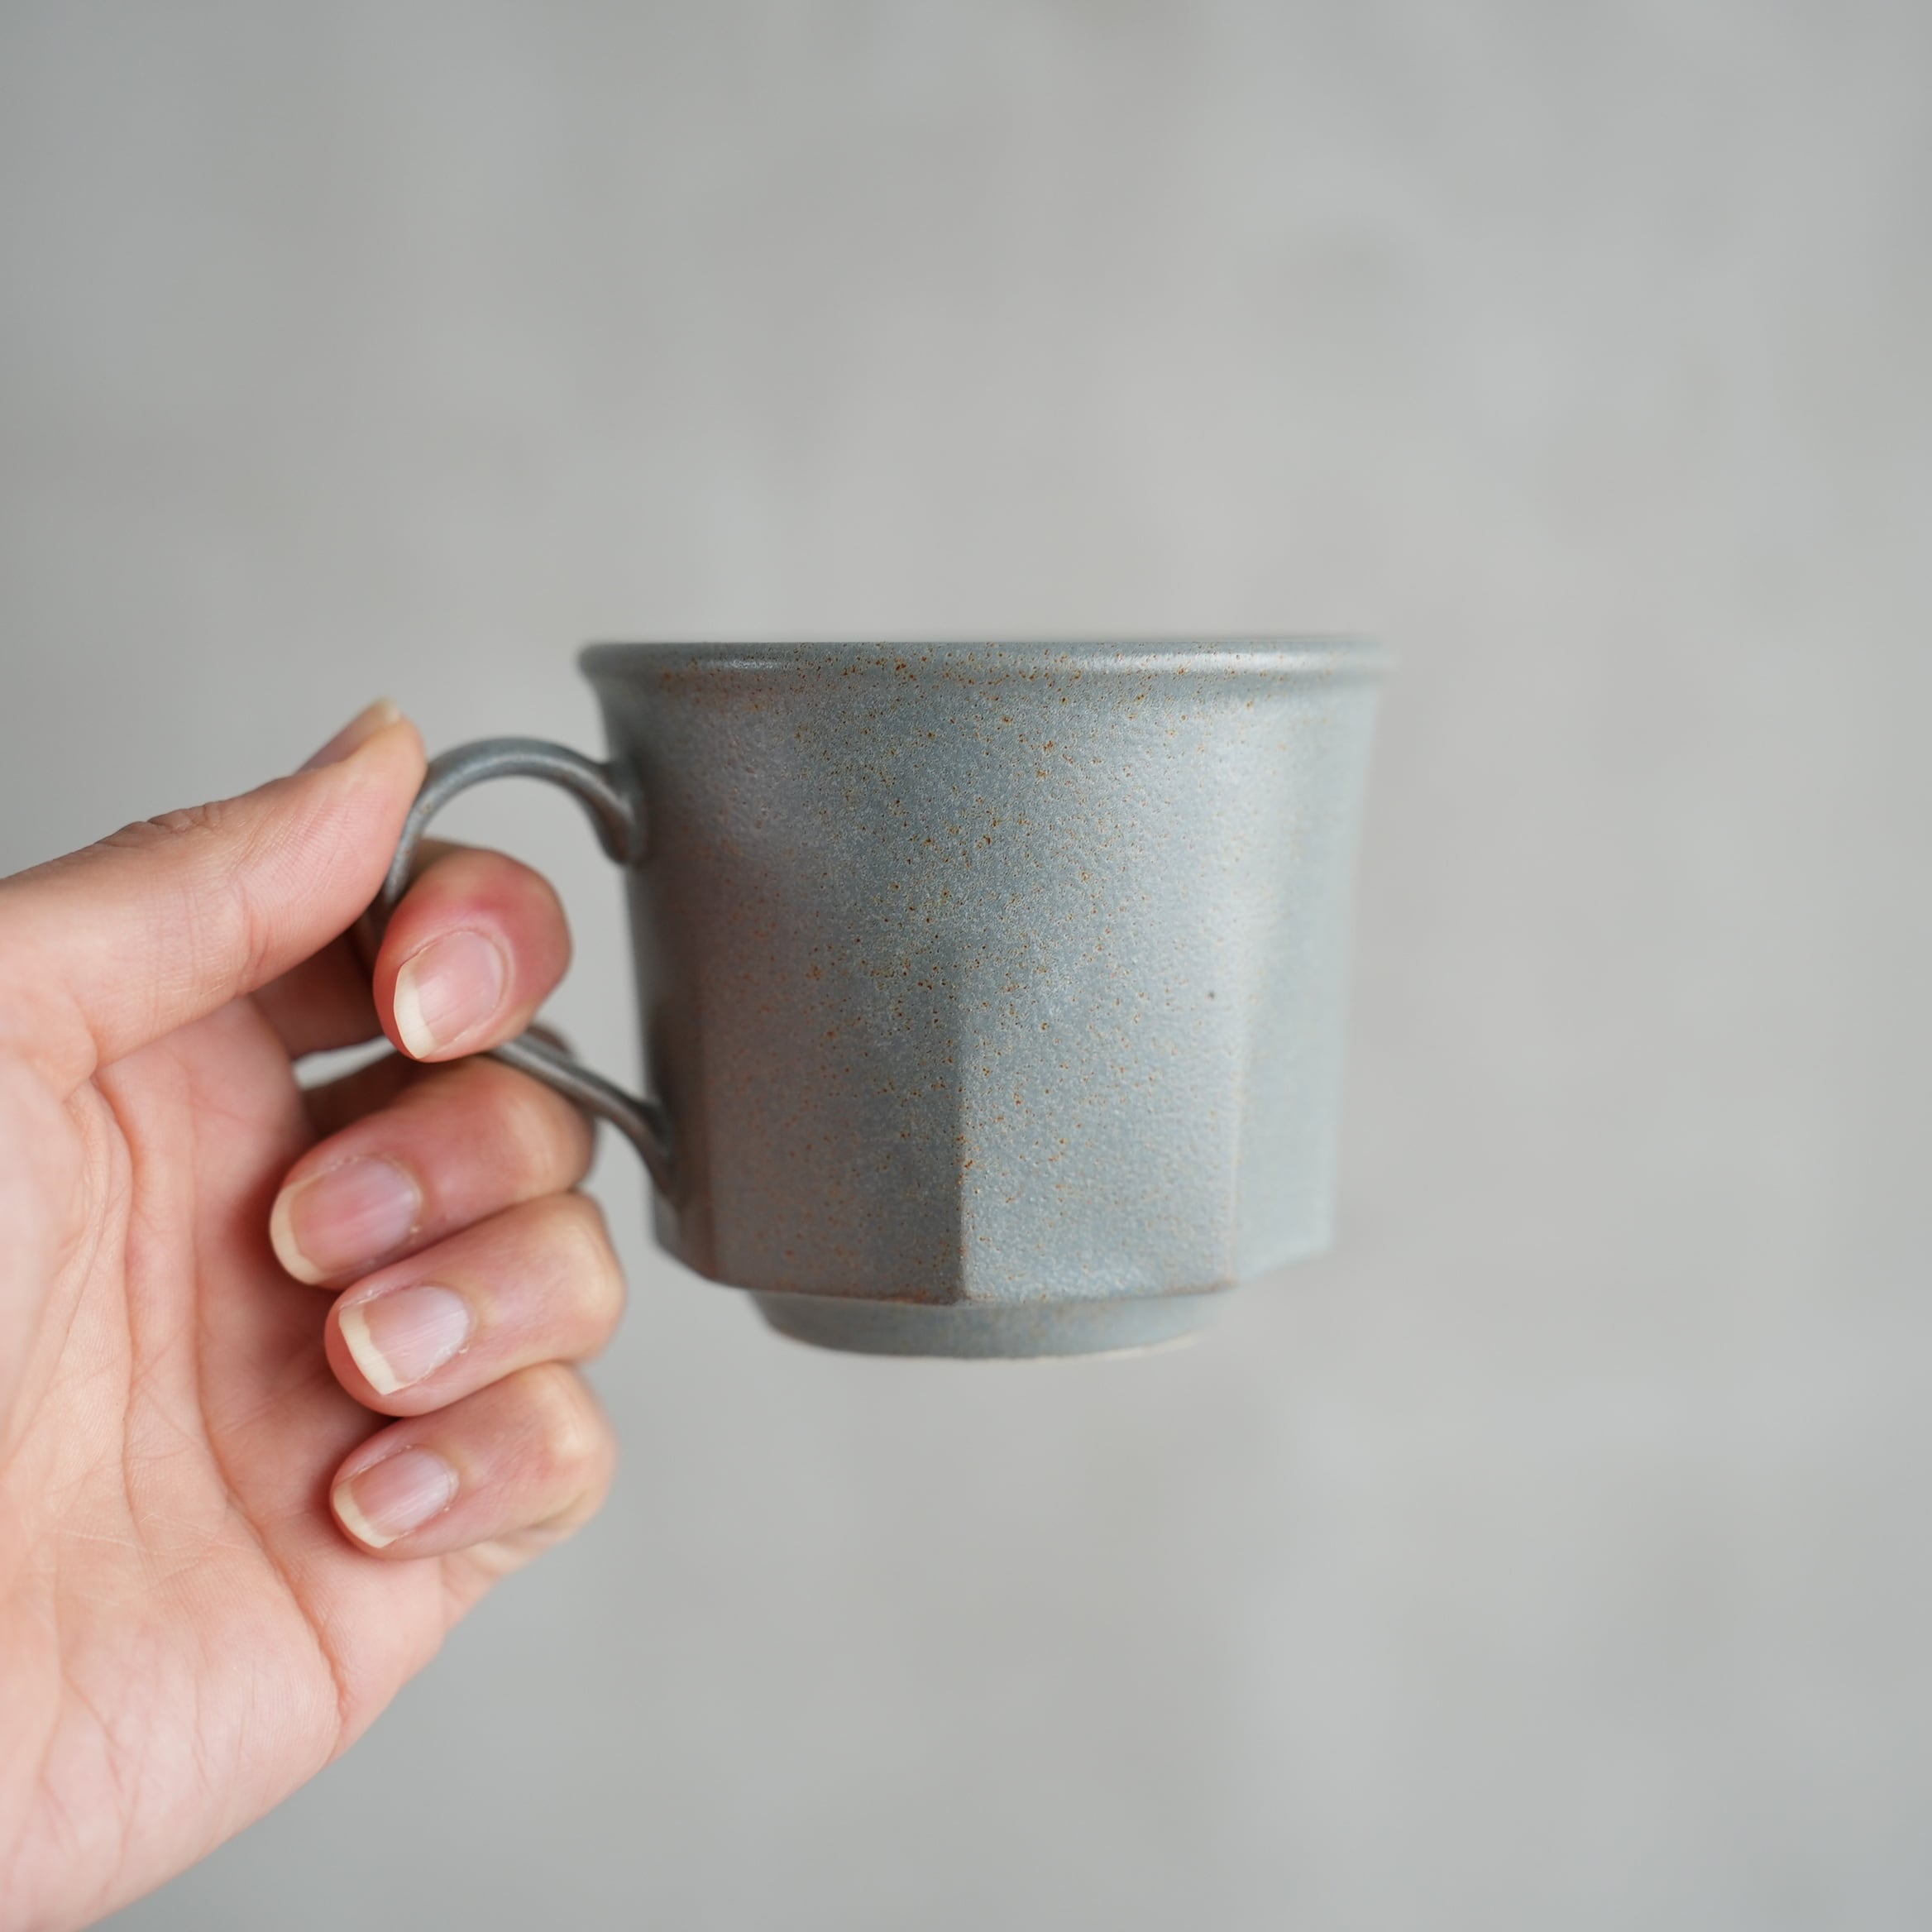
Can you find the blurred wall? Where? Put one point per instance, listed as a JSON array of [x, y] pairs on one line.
[[1557, 1553]]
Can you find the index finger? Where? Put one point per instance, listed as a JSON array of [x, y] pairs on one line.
[[477, 945], [327, 1001]]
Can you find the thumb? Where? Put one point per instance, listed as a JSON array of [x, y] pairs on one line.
[[112, 947]]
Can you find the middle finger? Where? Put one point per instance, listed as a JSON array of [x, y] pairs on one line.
[[453, 1147]]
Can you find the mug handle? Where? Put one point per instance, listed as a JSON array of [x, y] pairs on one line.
[[619, 831]]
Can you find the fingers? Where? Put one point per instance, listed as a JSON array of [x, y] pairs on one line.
[[539, 1283], [503, 1280], [454, 1147], [329, 1000], [470, 955], [502, 1449], [523, 1461], [107, 949]]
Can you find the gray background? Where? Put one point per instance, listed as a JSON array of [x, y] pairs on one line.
[[1557, 1552]]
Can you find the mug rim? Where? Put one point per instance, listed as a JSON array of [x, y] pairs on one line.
[[1303, 656]]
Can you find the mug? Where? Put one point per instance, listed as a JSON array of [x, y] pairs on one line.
[[990, 994]]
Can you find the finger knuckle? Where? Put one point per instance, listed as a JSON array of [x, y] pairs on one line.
[[568, 1422], [595, 1267], [578, 1220], [544, 1134], [186, 821], [520, 888]]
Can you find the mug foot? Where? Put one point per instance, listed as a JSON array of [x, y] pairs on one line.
[[990, 1330]]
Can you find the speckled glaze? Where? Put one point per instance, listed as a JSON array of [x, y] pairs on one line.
[[992, 993]]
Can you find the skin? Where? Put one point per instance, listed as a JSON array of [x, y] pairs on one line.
[[190, 1624]]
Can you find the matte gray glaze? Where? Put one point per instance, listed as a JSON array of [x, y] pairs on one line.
[[992, 993]]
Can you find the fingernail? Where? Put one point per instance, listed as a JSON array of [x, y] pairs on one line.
[[345, 1217], [358, 731], [392, 1497], [398, 1337], [450, 988]]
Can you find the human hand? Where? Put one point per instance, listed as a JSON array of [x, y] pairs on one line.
[[216, 1565]]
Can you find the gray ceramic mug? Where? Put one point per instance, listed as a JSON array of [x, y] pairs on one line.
[[992, 994]]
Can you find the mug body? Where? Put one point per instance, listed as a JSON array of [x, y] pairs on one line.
[[993, 992]]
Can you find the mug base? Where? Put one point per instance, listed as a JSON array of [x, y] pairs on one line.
[[990, 1330]]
